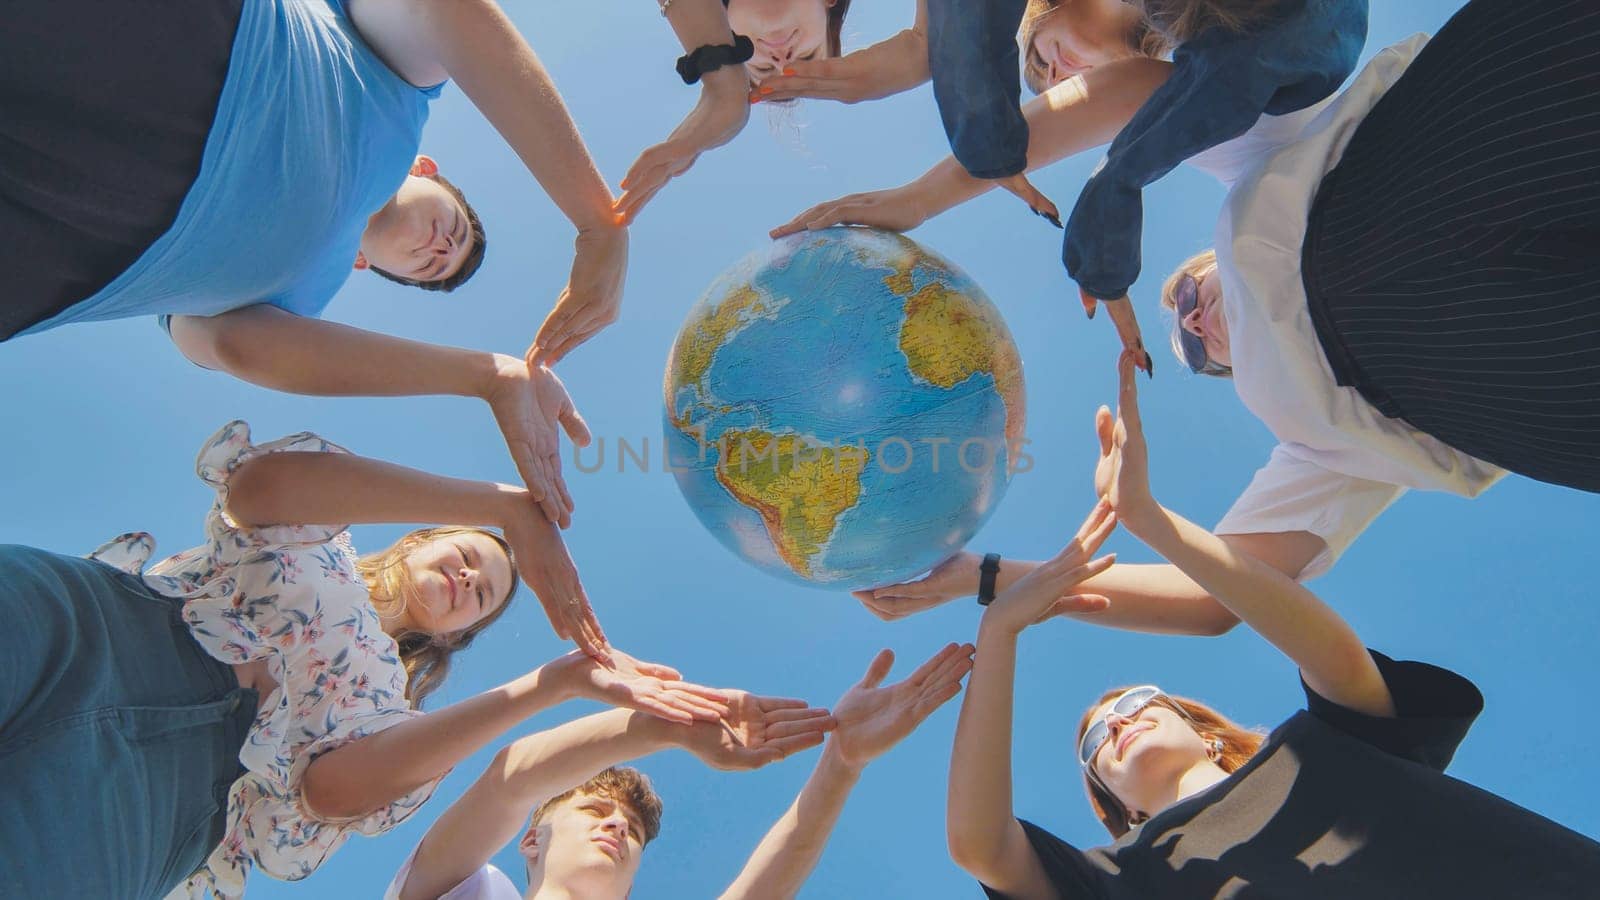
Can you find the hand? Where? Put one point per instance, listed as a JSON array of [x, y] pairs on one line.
[[872, 719], [887, 67], [527, 402], [1047, 591], [1127, 326], [547, 567], [590, 301], [756, 731], [647, 687], [1020, 187], [955, 577], [720, 114], [897, 209], [1122, 477]]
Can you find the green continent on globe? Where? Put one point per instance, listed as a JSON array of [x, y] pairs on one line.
[[703, 336], [948, 337], [798, 488]]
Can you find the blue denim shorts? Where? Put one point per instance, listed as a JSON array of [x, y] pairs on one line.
[[119, 734]]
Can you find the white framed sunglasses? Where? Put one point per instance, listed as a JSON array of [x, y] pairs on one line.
[[1128, 704]]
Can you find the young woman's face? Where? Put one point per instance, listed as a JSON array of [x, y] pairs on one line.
[[458, 581], [1207, 321], [782, 30], [1079, 35], [422, 233], [1144, 755]]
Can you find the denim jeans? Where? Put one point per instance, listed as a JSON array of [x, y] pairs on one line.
[[119, 735]]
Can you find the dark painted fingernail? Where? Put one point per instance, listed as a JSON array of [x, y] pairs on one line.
[[1149, 365], [1090, 308]]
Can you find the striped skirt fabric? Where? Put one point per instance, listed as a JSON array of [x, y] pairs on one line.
[[1452, 258]]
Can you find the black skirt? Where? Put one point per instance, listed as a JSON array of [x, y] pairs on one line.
[[1452, 258], [105, 106]]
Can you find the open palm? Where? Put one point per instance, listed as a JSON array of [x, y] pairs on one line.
[[872, 719], [757, 730], [651, 688]]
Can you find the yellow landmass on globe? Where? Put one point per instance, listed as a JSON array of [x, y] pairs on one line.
[[948, 337], [697, 344], [798, 488]]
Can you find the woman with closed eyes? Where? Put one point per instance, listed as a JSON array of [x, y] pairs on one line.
[[1346, 798]]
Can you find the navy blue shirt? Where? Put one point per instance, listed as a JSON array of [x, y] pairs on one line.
[[1221, 83]]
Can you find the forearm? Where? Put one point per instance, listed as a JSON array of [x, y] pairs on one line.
[[1076, 115], [1290, 617], [979, 816], [285, 352], [790, 851], [483, 52], [1158, 599], [344, 489], [375, 770]]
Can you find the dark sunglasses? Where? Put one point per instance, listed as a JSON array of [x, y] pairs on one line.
[[1194, 349]]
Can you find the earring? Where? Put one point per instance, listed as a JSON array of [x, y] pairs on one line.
[[1217, 746]]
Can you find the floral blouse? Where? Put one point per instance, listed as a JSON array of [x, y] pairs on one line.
[[289, 595]]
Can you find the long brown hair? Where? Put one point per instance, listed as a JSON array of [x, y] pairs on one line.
[[426, 657], [836, 14], [1238, 745]]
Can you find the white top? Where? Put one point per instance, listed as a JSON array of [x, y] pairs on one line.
[[488, 883], [289, 595], [1339, 461]]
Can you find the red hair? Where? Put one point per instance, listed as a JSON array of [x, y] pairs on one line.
[[1239, 744]]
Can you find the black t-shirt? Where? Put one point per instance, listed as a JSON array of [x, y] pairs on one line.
[[1339, 805]]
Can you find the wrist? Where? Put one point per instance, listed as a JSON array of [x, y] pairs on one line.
[[509, 506], [832, 764], [491, 371], [657, 732], [995, 629]]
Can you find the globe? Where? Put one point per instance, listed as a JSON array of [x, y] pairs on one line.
[[844, 408]]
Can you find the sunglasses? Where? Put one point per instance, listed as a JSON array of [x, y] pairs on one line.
[[1193, 348], [1127, 705]]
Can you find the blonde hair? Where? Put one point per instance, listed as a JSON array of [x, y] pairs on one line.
[[1180, 21], [426, 657], [1142, 40], [1239, 744], [1195, 266]]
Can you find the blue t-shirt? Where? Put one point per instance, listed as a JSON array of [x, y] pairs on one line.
[[1221, 83], [313, 134]]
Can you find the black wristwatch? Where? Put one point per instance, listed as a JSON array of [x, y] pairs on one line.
[[987, 570], [712, 57]]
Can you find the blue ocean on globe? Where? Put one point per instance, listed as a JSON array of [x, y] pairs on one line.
[[843, 408]]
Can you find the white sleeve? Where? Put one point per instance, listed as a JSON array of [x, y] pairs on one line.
[[1294, 494], [488, 883]]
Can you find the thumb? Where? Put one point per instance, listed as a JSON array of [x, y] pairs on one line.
[[576, 427], [1103, 425], [878, 670]]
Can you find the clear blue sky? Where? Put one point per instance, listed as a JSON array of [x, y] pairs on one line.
[[104, 422]]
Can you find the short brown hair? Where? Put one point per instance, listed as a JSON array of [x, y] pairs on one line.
[[469, 266], [622, 784], [1238, 745]]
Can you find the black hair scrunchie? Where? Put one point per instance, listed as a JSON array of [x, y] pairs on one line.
[[712, 57]]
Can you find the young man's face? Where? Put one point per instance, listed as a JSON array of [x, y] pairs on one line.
[[589, 844]]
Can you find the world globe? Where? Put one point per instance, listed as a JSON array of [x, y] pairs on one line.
[[844, 408]]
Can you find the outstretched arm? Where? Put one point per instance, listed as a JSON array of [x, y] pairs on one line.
[[1076, 115], [891, 66], [984, 835], [1331, 657], [871, 719], [1157, 598], [267, 346], [535, 768], [474, 43], [368, 773]]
